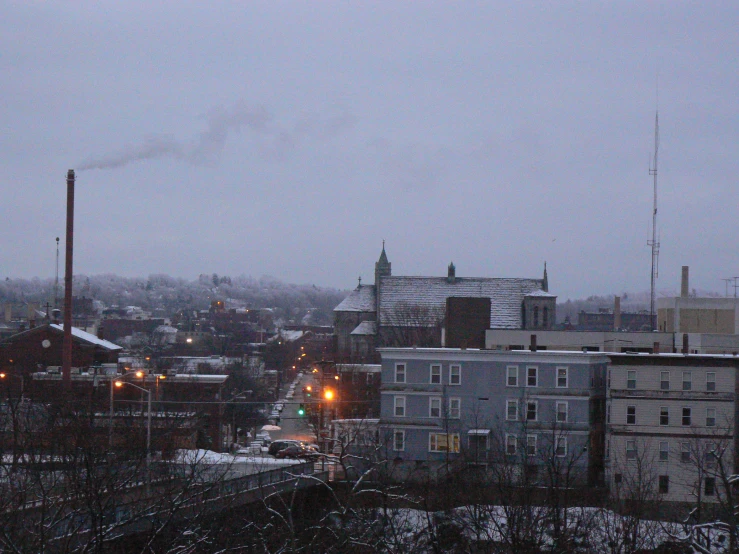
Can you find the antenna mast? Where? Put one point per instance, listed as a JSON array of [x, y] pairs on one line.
[[654, 243]]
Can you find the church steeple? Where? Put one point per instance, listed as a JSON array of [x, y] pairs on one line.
[[382, 266], [545, 281]]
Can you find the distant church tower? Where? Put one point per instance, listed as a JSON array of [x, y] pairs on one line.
[[382, 266], [382, 269]]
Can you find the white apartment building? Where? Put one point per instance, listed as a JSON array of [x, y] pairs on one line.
[[670, 425]]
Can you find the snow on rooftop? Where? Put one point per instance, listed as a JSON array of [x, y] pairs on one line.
[[361, 299], [365, 328], [88, 337], [506, 296]]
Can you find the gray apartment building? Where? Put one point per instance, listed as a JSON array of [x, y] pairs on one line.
[[670, 426], [442, 408]]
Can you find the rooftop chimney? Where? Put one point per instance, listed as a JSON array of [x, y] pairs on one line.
[[655, 349], [533, 343], [451, 273], [617, 313], [685, 343], [684, 283]]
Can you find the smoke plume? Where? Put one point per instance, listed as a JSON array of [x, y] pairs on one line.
[[220, 123], [274, 140]]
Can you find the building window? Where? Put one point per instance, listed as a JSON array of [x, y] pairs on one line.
[[631, 450], [560, 448], [455, 374], [536, 316], [664, 484], [442, 442], [664, 416], [562, 378], [710, 486], [617, 478], [631, 379], [510, 444], [531, 445], [455, 407], [531, 410], [608, 413], [664, 380], [609, 379], [687, 380], [561, 412], [399, 406], [512, 376], [434, 407], [400, 373], [435, 374], [664, 451], [710, 381], [532, 376], [687, 416], [399, 441], [630, 415], [685, 452], [710, 417], [512, 410], [545, 316]]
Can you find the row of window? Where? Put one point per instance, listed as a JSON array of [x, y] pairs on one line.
[[453, 411], [664, 416], [686, 453], [438, 442], [511, 445], [449, 442], [455, 374], [664, 380], [532, 377], [561, 411], [709, 484]]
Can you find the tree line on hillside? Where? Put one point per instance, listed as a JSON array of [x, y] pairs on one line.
[[171, 294]]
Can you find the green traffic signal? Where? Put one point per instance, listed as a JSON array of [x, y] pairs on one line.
[[301, 410]]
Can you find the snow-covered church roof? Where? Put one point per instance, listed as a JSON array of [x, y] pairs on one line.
[[361, 299]]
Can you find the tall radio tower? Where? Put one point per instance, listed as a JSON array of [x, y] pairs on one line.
[[654, 243]]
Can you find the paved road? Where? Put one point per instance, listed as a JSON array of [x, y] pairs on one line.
[[293, 425]]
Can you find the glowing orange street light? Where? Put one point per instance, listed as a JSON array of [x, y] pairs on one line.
[[2, 376], [139, 374], [328, 394], [336, 377], [118, 384]]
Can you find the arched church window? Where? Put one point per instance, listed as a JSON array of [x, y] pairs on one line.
[[546, 316], [536, 316]]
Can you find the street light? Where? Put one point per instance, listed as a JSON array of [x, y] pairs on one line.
[[120, 384], [3, 376]]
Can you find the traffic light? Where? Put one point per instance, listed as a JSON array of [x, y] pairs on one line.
[[301, 410], [308, 390]]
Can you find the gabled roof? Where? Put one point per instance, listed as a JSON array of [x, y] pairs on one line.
[[88, 337], [506, 296], [361, 299], [78, 334], [365, 328]]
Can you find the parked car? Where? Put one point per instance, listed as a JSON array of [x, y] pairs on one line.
[[278, 445], [297, 451]]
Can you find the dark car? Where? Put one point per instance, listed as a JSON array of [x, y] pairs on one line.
[[296, 451], [278, 445]]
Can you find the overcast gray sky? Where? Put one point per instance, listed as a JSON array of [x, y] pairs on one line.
[[289, 138]]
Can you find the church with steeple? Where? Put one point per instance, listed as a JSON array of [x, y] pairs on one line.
[[436, 311]]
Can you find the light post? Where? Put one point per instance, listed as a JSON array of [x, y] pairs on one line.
[[4, 376], [119, 384]]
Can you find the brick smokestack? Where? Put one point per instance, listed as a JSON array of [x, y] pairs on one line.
[[67, 347], [685, 283], [617, 313]]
